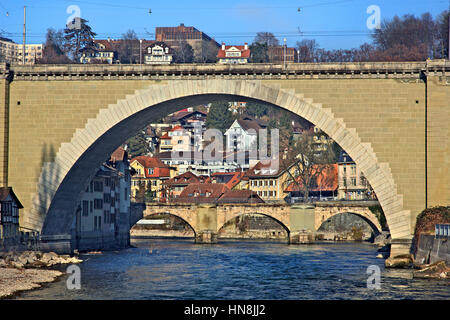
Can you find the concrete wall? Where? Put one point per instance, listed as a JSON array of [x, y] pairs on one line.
[[431, 250]]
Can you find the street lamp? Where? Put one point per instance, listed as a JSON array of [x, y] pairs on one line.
[[140, 51]]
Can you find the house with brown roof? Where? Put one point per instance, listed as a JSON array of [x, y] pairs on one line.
[[233, 54], [103, 51], [216, 193], [240, 196], [172, 188], [268, 179], [201, 193]]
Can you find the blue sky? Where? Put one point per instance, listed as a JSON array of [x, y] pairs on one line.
[[333, 23]]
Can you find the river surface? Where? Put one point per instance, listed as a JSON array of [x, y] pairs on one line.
[[179, 269]]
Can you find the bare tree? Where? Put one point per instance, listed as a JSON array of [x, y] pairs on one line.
[[128, 47], [307, 50], [183, 52], [209, 53], [266, 37], [310, 164]]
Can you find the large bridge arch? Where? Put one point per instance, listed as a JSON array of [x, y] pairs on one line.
[[368, 217], [75, 162]]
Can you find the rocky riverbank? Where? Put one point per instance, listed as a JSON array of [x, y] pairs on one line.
[[29, 270]]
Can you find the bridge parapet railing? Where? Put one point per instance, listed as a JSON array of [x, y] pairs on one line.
[[395, 69]]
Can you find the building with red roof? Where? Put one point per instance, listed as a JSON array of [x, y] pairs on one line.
[[172, 188], [231, 179], [233, 54], [150, 172], [216, 193]]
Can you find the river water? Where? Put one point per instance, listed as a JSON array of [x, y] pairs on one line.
[[179, 269]]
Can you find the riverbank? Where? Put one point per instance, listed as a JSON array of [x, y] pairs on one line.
[[29, 270], [13, 280]]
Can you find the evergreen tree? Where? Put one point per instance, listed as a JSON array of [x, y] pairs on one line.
[[256, 110], [53, 51], [137, 145], [79, 39], [219, 116], [259, 53]]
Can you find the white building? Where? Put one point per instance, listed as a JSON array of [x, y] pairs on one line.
[[158, 53], [233, 54], [243, 135]]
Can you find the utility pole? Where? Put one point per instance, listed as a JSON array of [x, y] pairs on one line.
[[140, 51], [24, 33], [284, 53]]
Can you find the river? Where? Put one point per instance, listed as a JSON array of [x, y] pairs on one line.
[[179, 269]]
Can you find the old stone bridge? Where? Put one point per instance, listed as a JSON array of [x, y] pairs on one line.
[[207, 219], [60, 122]]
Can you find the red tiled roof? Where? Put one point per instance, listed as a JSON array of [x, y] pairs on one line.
[[244, 53], [176, 128], [165, 136], [240, 196], [328, 181], [202, 193], [149, 162], [118, 155], [236, 177]]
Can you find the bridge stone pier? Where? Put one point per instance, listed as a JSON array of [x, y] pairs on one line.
[[58, 123], [207, 219]]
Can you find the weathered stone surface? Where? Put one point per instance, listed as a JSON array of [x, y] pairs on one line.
[[438, 270], [31, 259], [400, 261]]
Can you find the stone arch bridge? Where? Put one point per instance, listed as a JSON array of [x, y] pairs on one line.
[[210, 218], [60, 122]]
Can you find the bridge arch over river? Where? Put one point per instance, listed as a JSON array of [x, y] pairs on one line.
[[376, 112]]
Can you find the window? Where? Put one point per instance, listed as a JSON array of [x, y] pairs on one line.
[[98, 186], [150, 171], [98, 204], [353, 181], [85, 208], [106, 198]]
